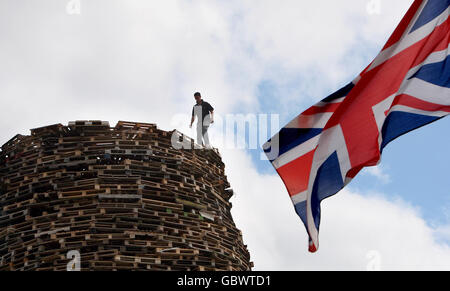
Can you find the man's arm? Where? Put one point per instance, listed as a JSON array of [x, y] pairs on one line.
[[193, 118], [211, 111], [212, 116]]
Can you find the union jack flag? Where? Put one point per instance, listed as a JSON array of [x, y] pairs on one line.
[[407, 86]]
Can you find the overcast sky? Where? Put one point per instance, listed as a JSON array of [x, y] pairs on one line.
[[143, 60]]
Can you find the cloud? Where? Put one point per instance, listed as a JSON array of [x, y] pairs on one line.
[[353, 227], [379, 173], [442, 234]]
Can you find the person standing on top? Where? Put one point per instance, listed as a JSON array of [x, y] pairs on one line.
[[205, 115]]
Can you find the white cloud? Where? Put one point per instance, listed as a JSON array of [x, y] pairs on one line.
[[378, 172], [442, 233]]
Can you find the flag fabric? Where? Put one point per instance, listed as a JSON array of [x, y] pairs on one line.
[[405, 87]]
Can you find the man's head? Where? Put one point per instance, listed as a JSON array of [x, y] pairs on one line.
[[198, 97]]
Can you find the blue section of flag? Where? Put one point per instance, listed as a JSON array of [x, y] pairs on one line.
[[328, 182], [399, 123], [432, 10], [340, 93], [289, 138], [436, 73], [300, 208]]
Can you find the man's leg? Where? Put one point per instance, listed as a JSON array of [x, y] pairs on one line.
[[205, 136], [199, 134]]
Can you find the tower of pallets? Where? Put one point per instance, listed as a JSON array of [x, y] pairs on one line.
[[96, 197]]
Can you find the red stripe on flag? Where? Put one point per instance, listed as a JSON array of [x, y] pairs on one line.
[[322, 109], [438, 40], [410, 101], [295, 175], [354, 171]]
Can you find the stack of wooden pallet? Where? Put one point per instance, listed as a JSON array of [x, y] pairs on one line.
[[123, 197]]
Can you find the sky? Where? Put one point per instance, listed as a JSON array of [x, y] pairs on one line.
[[143, 60]]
